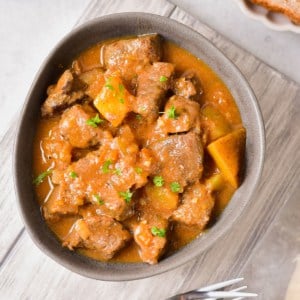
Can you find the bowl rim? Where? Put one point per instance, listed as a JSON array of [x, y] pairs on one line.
[[173, 261]]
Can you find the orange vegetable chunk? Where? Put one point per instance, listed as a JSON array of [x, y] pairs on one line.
[[227, 153], [114, 101]]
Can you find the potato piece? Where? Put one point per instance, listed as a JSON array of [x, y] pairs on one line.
[[215, 183], [114, 101], [217, 124], [162, 199], [228, 153]]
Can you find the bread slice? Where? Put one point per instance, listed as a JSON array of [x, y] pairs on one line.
[[291, 8]]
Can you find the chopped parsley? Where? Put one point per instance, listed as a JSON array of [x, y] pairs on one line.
[[138, 170], [121, 88], [73, 174], [40, 178], [98, 199], [109, 86], [158, 232], [126, 195], [138, 117], [143, 108], [95, 121], [175, 187], [172, 114], [158, 181], [163, 78], [118, 171], [105, 167], [121, 92]]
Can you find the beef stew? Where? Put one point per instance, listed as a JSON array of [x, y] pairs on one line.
[[139, 148]]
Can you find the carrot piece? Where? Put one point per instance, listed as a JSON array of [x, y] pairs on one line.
[[228, 152]]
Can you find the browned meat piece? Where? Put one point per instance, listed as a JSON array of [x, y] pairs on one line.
[[66, 92], [150, 235], [196, 207], [152, 85], [56, 149], [94, 79], [107, 177], [95, 179], [74, 126], [187, 86], [101, 233], [180, 115], [129, 56], [181, 158], [60, 202]]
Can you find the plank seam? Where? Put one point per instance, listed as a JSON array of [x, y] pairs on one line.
[[12, 245]]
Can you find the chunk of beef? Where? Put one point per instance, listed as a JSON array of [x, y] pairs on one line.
[[107, 176], [56, 149], [101, 233], [152, 85], [188, 86], [196, 207], [65, 93], [60, 202], [94, 79], [76, 129], [181, 158], [181, 115], [129, 56], [150, 235]]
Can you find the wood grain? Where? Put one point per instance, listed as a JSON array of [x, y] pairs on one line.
[[27, 273]]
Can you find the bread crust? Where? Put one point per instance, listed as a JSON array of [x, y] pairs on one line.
[[291, 8]]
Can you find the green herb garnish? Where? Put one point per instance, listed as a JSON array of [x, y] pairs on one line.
[[138, 170], [109, 86], [105, 167], [40, 178], [122, 100], [95, 121], [126, 196], [158, 181], [118, 171], [172, 114], [175, 187], [138, 117], [121, 88], [98, 199], [73, 174], [163, 78], [158, 232]]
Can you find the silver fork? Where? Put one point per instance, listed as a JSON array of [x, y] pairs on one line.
[[214, 292]]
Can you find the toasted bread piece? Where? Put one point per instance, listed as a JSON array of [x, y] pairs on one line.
[[291, 8]]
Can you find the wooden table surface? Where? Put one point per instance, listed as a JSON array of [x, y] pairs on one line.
[[264, 244]]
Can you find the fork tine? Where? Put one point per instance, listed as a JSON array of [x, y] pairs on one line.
[[219, 285], [235, 290], [239, 289], [229, 294]]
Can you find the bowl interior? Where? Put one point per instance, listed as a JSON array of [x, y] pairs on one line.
[[81, 38]]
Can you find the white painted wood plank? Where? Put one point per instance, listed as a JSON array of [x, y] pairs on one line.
[[10, 225], [101, 8], [27, 273]]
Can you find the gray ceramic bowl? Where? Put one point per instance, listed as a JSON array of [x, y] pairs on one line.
[[79, 39]]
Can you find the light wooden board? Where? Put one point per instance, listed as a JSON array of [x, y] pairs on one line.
[[26, 273]]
